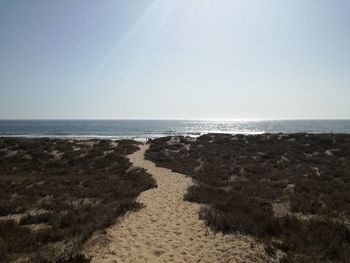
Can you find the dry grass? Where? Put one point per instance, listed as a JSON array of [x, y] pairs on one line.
[[239, 178], [70, 197]]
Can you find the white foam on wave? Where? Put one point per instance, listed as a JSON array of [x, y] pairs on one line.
[[139, 138]]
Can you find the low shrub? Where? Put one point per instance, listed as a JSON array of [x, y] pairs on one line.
[[239, 178], [81, 189]]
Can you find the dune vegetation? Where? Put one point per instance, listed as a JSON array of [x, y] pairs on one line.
[[291, 192], [55, 193]]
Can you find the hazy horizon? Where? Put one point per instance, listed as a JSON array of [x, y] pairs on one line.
[[178, 119], [174, 59]]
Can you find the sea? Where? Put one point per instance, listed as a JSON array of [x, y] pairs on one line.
[[146, 129]]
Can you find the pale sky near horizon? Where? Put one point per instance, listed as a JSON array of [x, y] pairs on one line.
[[170, 59]]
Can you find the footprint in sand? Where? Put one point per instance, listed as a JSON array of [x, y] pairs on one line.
[[168, 221]]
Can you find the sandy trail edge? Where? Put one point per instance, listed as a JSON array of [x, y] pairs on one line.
[[168, 229]]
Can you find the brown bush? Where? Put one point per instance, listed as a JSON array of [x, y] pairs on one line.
[[240, 177], [82, 190]]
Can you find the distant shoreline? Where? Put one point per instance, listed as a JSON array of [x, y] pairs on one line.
[[142, 129], [145, 139]]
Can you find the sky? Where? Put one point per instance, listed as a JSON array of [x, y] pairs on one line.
[[174, 59]]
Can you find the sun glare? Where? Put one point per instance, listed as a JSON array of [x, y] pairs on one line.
[[195, 2], [201, 5]]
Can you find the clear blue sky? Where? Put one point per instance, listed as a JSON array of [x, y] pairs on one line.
[[174, 59]]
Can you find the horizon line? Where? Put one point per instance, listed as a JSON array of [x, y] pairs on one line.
[[170, 119]]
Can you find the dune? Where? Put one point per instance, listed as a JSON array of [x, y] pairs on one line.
[[168, 228]]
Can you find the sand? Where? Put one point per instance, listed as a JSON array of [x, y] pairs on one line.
[[168, 228]]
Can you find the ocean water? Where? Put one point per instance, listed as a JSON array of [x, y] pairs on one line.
[[141, 129]]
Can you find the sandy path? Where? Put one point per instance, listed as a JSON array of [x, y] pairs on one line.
[[168, 228]]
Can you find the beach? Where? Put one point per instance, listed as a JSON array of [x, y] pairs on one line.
[[168, 228], [184, 131], [215, 198]]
